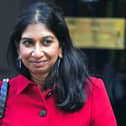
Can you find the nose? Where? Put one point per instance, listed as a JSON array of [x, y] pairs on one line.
[[37, 51]]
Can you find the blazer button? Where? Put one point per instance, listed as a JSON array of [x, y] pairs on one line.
[[43, 113], [50, 93]]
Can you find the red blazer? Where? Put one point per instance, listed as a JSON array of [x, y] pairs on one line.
[[27, 106]]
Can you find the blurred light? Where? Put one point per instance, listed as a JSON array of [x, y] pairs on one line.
[[89, 0]]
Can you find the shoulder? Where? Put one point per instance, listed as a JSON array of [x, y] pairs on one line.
[[95, 83], [14, 80], [17, 84], [1, 81], [98, 93], [96, 88]]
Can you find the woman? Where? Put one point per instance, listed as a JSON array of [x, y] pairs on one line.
[[53, 86]]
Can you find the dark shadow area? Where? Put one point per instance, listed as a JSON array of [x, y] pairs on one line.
[[110, 66]]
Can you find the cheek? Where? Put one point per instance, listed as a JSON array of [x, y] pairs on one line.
[[24, 53], [53, 52]]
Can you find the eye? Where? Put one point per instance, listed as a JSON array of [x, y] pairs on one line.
[[28, 43], [47, 42]]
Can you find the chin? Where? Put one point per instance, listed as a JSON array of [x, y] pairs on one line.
[[39, 71]]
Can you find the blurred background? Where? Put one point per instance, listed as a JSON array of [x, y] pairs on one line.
[[98, 28]]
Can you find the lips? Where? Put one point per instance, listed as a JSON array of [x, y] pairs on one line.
[[39, 63]]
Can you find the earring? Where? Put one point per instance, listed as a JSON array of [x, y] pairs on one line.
[[58, 66], [58, 62], [19, 64]]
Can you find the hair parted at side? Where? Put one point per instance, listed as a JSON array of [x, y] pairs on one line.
[[67, 77]]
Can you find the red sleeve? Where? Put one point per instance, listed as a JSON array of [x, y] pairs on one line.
[[102, 113]]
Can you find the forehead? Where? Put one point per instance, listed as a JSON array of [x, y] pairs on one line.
[[37, 30]]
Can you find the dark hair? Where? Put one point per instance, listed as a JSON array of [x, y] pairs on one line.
[[68, 76]]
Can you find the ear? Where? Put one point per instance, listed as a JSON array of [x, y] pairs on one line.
[[19, 57]]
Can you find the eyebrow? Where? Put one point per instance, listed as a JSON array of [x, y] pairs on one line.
[[45, 37], [25, 38]]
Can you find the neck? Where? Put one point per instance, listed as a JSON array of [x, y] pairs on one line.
[[38, 79]]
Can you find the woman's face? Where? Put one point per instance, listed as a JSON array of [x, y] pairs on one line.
[[38, 49]]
